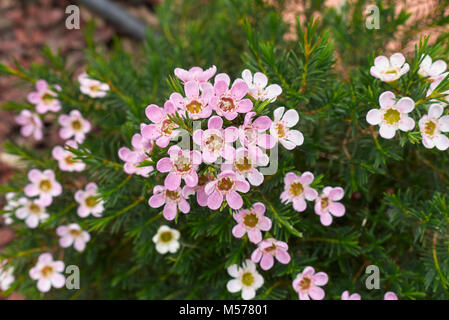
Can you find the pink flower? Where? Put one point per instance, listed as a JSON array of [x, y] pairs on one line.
[[162, 129], [297, 189], [72, 234], [253, 137], [133, 158], [245, 166], [432, 70], [47, 272], [346, 296], [229, 103], [391, 69], [73, 125], [66, 159], [32, 212], [226, 185], [195, 74], [182, 164], [91, 87], [392, 115], [267, 250], [258, 86], [44, 99], [326, 204], [252, 222], [308, 284], [89, 201], [216, 141], [44, 185], [434, 85], [201, 196], [173, 200], [195, 105], [432, 125], [31, 124], [390, 295], [280, 128]]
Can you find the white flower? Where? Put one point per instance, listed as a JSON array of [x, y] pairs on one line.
[[44, 185], [91, 87], [72, 234], [6, 276], [431, 126], [258, 86], [31, 124], [392, 115], [48, 273], [89, 201], [11, 205], [280, 128], [32, 212], [432, 70], [73, 125], [434, 85], [66, 159], [389, 70], [166, 240], [246, 279]]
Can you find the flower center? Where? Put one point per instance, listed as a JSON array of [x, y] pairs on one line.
[[47, 98], [225, 184], [251, 135], [183, 164], [430, 127], [243, 164], [194, 107], [281, 130], [45, 185], [247, 279], [69, 160], [324, 203], [95, 88], [34, 209], [271, 250], [226, 104], [76, 125], [167, 127], [166, 236], [214, 142], [304, 284], [250, 220], [296, 189], [75, 232], [47, 271], [392, 116], [91, 201], [173, 195]]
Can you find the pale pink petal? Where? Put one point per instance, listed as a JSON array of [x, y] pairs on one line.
[[316, 293], [170, 211], [266, 262], [386, 99], [374, 117], [215, 200]]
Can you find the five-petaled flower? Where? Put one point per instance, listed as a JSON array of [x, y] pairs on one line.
[[31, 211], [297, 189], [73, 125], [246, 279], [245, 164], [196, 105], [31, 124], [92, 87], [267, 250], [47, 272], [327, 205], [389, 69], [308, 284], [66, 159], [226, 186], [163, 129], [166, 240], [44, 98], [171, 200], [281, 130], [258, 86], [44, 185], [89, 201], [72, 234], [432, 125], [251, 221], [195, 74]]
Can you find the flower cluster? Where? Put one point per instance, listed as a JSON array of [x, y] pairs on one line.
[[6, 275]]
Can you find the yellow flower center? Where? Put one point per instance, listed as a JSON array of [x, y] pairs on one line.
[[281, 130], [243, 164], [304, 284], [194, 107], [34, 208], [247, 279], [250, 220], [91, 201], [166, 236], [76, 125], [45, 185], [430, 128], [392, 116], [47, 271], [47, 98], [167, 126], [76, 233], [296, 189], [324, 203]]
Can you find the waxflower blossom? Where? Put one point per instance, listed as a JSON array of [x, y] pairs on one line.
[[253, 137], [72, 234], [258, 86], [166, 240], [346, 296], [48, 273], [201, 196], [390, 295], [229, 102], [45, 99], [226, 186], [142, 147], [32, 212], [434, 85], [392, 115], [65, 158], [196, 105], [182, 164], [269, 249], [432, 70], [245, 165], [171, 200], [162, 129], [216, 141], [251, 221], [11, 205], [297, 189], [73, 125], [196, 74], [280, 128], [44, 185], [91, 87], [327, 205], [389, 69], [432, 125], [6, 275], [246, 279], [31, 124], [89, 201], [308, 284]]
